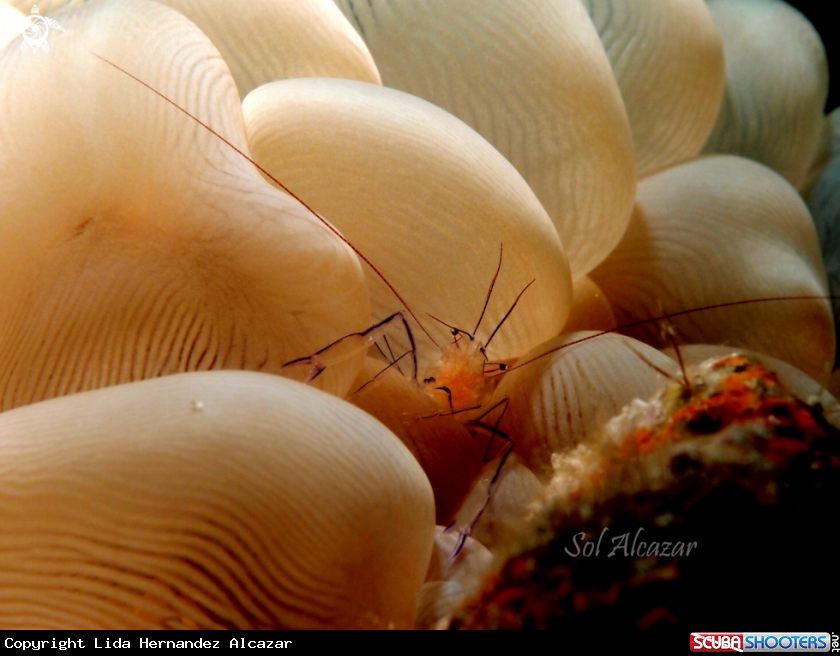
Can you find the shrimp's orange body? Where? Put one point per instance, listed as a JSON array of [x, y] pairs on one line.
[[458, 382]]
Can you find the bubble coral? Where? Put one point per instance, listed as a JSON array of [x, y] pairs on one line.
[[138, 244]]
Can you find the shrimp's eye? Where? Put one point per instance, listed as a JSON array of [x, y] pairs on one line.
[[502, 366]]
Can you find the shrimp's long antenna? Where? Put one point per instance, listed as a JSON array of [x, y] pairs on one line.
[[504, 318], [455, 330], [326, 223], [671, 315], [490, 291]]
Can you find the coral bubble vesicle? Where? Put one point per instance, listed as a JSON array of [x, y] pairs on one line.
[[208, 500]]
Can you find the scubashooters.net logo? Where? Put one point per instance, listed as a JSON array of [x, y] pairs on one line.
[[36, 30], [761, 642]]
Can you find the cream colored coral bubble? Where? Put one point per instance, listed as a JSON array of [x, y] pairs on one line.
[[667, 56], [590, 308], [208, 500], [427, 200], [533, 79], [267, 40], [133, 242], [723, 230], [776, 86]]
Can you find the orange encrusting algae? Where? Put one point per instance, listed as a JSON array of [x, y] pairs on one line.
[[736, 390]]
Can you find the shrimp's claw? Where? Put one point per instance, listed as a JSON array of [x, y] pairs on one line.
[[470, 513], [316, 366], [479, 496], [350, 345], [462, 540], [317, 370]]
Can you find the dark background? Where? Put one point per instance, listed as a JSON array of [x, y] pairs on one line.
[[823, 15]]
